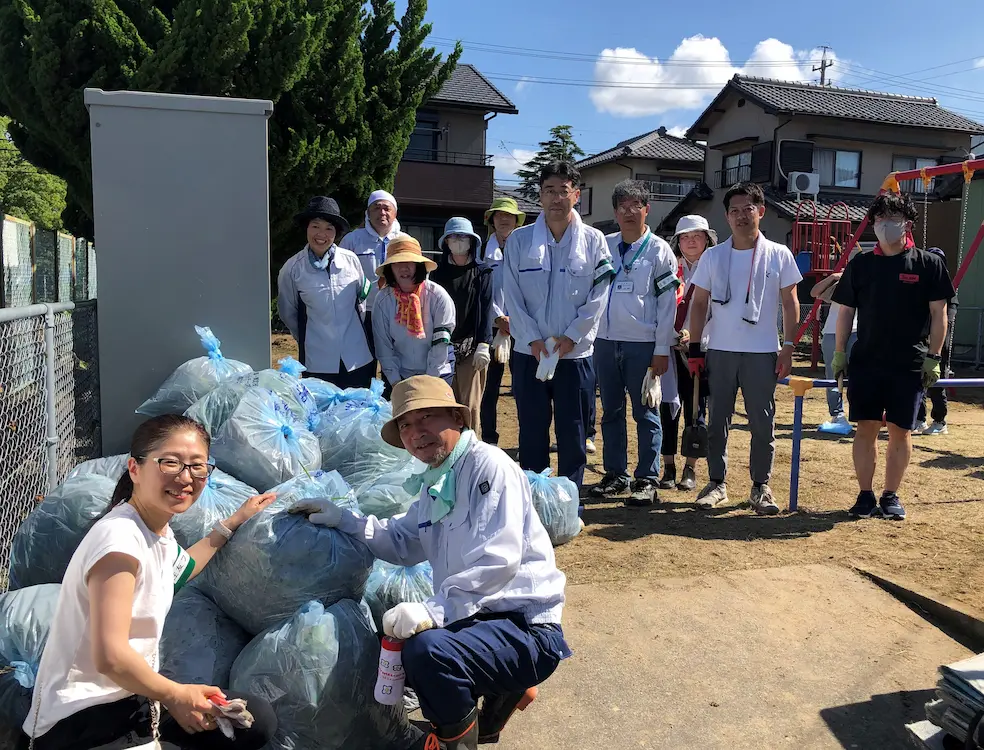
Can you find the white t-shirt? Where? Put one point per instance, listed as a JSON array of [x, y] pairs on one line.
[[68, 680], [727, 331], [830, 325]]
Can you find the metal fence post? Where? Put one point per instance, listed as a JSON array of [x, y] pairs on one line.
[[51, 421]]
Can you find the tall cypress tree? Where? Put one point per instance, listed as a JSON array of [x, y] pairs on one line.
[[559, 147]]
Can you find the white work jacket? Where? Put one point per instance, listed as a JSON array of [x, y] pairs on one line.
[[401, 355], [371, 251]]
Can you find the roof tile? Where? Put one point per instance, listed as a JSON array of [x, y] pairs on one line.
[[468, 87], [651, 145]]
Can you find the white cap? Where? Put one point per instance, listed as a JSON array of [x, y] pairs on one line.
[[381, 195], [692, 223]]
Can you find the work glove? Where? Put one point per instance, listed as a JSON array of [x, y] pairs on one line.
[[930, 372], [652, 390], [839, 365], [695, 359], [406, 620], [319, 510], [548, 363], [683, 340], [231, 715], [501, 346], [482, 357]]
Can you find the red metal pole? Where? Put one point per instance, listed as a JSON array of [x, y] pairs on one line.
[[941, 169], [974, 245]]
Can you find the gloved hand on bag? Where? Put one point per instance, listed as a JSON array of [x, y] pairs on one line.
[[481, 357], [652, 390], [406, 620], [320, 511], [839, 365], [930, 371], [548, 362]]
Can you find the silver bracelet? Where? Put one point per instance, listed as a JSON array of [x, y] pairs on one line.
[[224, 530]]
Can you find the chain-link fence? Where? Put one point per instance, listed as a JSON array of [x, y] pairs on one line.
[[41, 265], [49, 405]]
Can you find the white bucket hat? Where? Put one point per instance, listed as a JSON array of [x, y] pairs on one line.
[[693, 223]]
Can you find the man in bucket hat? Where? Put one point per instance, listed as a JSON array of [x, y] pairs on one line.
[[492, 628], [502, 218]]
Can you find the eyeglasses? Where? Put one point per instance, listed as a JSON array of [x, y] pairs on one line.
[[551, 194], [172, 467], [750, 209], [631, 208]]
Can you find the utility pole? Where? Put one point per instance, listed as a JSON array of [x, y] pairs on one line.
[[824, 64]]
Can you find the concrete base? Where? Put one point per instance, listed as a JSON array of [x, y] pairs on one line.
[[799, 657]]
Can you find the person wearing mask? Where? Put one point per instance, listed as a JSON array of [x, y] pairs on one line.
[[470, 287], [692, 237], [557, 276], [899, 293], [98, 683], [743, 281], [321, 291], [838, 423], [935, 394], [369, 243], [502, 218], [414, 317], [635, 337], [492, 629]]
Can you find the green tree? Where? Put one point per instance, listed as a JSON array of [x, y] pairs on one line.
[[345, 93], [25, 191], [559, 147]]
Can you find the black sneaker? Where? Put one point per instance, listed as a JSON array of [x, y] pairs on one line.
[[865, 505], [611, 484], [891, 507], [643, 493], [668, 482], [688, 482]]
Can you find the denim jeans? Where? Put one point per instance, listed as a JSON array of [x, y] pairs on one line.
[[835, 404]]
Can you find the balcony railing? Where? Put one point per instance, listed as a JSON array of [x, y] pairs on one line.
[[916, 187], [447, 157], [660, 191], [725, 178], [430, 183]]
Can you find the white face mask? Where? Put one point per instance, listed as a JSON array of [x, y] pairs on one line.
[[889, 232], [459, 245]]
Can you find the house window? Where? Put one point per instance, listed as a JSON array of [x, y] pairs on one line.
[[583, 206], [663, 188], [427, 237], [737, 168], [841, 169], [904, 164], [423, 140]]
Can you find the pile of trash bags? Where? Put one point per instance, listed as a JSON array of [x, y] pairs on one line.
[[556, 502], [25, 618], [389, 585]]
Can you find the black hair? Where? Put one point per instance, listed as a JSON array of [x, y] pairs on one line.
[[753, 191], [630, 190], [892, 203], [418, 277], [563, 169], [147, 438]]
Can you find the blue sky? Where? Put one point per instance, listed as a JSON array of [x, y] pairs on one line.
[[677, 55]]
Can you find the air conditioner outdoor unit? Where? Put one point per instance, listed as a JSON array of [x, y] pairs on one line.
[[804, 182]]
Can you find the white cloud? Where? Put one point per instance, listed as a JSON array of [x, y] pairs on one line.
[[507, 163], [677, 130], [522, 84], [695, 72], [979, 63]]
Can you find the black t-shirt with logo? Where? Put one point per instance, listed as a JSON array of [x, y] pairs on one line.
[[892, 294]]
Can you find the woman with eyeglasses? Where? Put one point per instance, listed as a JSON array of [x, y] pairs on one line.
[[98, 682]]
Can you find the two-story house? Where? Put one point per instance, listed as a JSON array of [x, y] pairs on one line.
[[763, 130], [446, 170], [671, 167]]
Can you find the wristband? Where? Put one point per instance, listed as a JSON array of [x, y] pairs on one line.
[[223, 530], [935, 357], [789, 343]]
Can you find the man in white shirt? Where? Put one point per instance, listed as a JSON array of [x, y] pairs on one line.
[[635, 336], [557, 275], [743, 280]]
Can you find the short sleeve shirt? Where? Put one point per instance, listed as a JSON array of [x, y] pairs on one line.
[[891, 294]]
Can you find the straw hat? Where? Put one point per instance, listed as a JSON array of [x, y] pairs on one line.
[[693, 223], [404, 249], [506, 205], [420, 392]]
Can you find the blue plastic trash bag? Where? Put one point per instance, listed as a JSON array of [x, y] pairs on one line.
[[212, 410], [200, 643], [326, 394], [384, 497], [277, 561], [263, 444], [328, 484], [318, 670], [290, 388], [352, 445], [556, 501], [44, 544], [25, 617], [221, 497], [389, 585], [111, 467], [192, 380]]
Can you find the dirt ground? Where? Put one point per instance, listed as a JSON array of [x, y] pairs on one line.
[[939, 546]]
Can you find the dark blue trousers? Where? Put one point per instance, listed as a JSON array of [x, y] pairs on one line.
[[450, 668], [490, 403], [565, 399]]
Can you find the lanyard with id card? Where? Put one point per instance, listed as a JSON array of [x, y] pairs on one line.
[[626, 286]]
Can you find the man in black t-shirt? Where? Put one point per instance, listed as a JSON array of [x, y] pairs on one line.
[[900, 294]]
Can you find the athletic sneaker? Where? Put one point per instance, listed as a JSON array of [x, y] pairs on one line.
[[643, 493], [589, 446], [865, 505], [937, 428], [610, 484], [762, 501], [713, 494], [891, 507], [920, 429]]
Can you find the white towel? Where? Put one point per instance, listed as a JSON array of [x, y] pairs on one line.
[[721, 281], [577, 257]]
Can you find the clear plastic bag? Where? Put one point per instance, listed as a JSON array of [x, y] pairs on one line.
[[352, 445], [326, 394], [200, 643], [556, 501], [44, 544], [214, 409], [384, 497], [192, 380], [328, 484], [263, 444], [318, 670], [111, 467], [389, 585], [501, 347], [221, 497], [287, 384], [277, 561], [25, 618]]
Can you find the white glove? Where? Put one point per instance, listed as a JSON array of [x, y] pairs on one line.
[[548, 362], [406, 620], [501, 346], [481, 358], [319, 510], [652, 390]]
